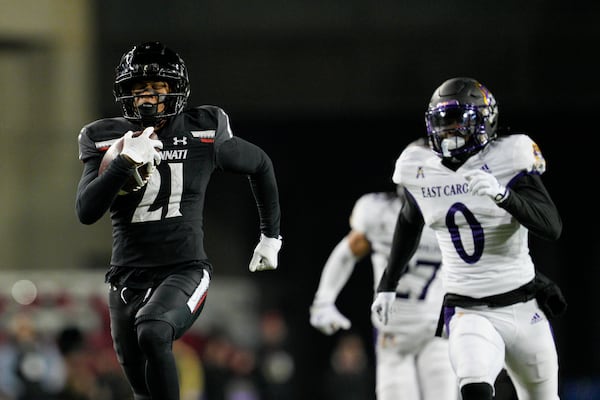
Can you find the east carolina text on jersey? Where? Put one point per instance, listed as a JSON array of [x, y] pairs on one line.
[[445, 190]]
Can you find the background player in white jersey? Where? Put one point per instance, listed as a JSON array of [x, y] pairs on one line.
[[482, 194], [412, 363]]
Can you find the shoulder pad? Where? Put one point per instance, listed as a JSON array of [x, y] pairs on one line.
[[411, 155], [526, 154]]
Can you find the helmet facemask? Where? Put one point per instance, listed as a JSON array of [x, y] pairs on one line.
[[456, 130], [151, 62], [461, 119], [147, 113]]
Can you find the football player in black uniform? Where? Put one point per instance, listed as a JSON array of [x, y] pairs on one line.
[[159, 273]]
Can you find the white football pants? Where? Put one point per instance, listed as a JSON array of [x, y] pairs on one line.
[[482, 340], [422, 375]]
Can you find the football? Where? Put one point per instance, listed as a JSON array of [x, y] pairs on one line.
[[113, 151]]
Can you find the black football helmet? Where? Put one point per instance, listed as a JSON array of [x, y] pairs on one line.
[[151, 61], [461, 119]]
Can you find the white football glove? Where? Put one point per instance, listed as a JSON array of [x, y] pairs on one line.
[[382, 306], [141, 182], [265, 254], [142, 149], [482, 183], [326, 318]]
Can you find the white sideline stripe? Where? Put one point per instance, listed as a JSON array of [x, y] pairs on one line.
[[209, 134], [105, 143], [199, 292]]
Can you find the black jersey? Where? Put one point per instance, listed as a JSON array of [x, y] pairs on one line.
[[161, 225]]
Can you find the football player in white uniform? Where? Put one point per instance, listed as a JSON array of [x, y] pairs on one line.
[[411, 363], [482, 194]]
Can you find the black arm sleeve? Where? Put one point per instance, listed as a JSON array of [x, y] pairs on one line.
[[530, 203], [240, 156], [404, 244], [96, 193]]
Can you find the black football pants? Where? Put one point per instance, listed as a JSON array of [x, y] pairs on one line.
[[144, 324]]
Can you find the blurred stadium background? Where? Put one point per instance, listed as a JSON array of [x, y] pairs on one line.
[[332, 90]]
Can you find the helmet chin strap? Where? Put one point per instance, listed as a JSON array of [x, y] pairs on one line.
[[149, 114], [450, 144]]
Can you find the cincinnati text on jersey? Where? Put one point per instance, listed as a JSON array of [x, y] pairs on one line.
[[173, 154]]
